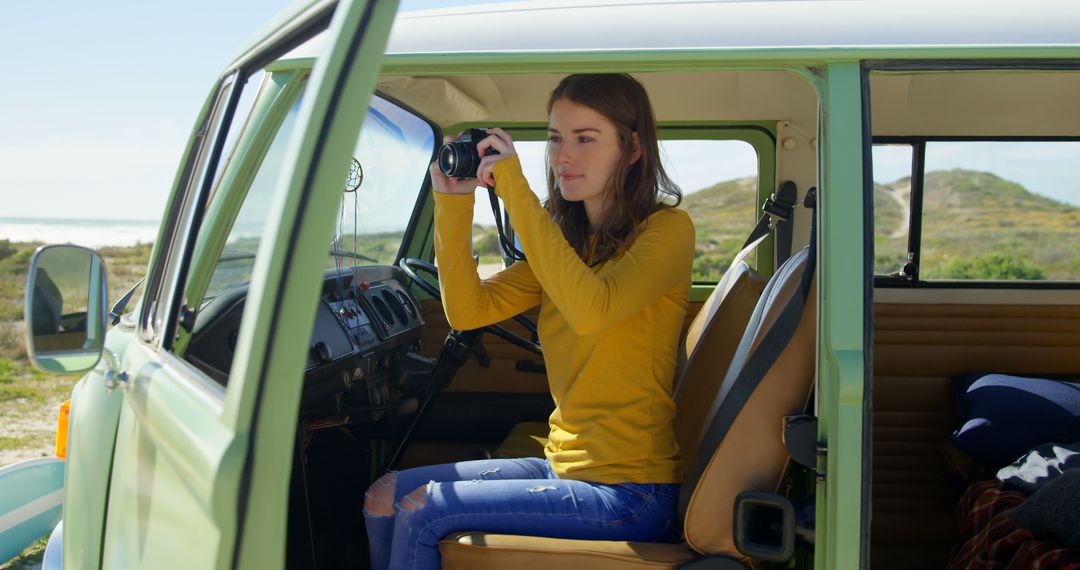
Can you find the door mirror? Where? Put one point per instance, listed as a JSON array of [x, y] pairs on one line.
[[65, 309]]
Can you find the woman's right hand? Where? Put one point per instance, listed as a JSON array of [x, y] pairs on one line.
[[446, 185]]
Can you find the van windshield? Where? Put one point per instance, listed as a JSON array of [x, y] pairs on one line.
[[388, 166], [379, 190]]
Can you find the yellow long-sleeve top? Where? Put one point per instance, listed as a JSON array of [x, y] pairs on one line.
[[609, 332]]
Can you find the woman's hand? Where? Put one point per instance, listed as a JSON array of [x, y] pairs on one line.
[[446, 185], [499, 141]]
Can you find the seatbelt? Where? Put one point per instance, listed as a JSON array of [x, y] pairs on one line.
[[776, 215], [734, 392]]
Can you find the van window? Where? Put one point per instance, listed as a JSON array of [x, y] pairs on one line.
[[992, 210], [719, 181], [388, 166], [378, 194], [238, 256], [892, 197], [1001, 210]]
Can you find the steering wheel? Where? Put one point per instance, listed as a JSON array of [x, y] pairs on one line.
[[413, 267]]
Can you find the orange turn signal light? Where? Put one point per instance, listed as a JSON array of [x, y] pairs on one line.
[[62, 429]]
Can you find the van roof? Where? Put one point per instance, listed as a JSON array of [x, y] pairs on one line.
[[640, 25]]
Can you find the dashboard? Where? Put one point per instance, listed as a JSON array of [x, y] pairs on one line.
[[363, 356]]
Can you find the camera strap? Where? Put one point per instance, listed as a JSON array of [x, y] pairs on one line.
[[510, 253]]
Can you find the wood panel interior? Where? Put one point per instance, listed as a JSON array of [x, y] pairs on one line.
[[917, 348]]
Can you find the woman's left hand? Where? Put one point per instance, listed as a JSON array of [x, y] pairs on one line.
[[500, 141]]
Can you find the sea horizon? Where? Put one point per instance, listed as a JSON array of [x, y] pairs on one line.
[[89, 232]]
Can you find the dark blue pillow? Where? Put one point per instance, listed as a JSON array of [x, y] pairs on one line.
[[1005, 416]]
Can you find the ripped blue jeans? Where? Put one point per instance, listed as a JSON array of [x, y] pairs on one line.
[[509, 496]]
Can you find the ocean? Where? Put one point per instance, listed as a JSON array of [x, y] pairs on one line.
[[89, 233]]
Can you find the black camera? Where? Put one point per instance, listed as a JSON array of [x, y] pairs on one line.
[[460, 158]]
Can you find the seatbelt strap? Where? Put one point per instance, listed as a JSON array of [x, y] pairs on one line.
[[776, 216], [734, 392]]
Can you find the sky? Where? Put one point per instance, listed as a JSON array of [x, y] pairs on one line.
[[98, 100]]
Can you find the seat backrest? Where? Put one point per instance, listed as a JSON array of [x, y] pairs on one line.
[[709, 346], [751, 456]]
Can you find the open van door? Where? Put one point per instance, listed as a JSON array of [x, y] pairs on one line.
[[201, 466]]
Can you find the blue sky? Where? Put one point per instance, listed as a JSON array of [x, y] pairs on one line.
[[98, 99]]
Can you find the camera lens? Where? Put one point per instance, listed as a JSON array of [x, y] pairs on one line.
[[447, 160], [458, 159]]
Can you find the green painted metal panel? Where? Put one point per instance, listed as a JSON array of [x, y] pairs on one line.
[[175, 469], [634, 60], [183, 442], [95, 413], [268, 368], [841, 354]]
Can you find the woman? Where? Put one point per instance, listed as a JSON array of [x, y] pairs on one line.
[[608, 261]]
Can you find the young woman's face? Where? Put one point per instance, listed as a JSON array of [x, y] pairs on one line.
[[583, 150]]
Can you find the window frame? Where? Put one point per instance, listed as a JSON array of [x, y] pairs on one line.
[[157, 316], [918, 172]]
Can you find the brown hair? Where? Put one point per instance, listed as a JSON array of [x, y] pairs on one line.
[[636, 190]]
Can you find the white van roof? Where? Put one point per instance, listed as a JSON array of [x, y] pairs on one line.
[[636, 25]]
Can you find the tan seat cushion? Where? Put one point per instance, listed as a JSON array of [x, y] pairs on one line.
[[465, 551]]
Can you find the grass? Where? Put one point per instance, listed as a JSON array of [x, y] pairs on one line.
[[28, 559], [29, 398], [18, 442]]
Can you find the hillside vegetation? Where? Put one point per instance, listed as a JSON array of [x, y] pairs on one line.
[[723, 215], [977, 225]]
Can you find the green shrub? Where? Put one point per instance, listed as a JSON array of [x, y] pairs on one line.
[[18, 261], [487, 244], [6, 249], [992, 266], [711, 267], [8, 370]]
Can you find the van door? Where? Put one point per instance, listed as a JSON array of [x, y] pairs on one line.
[[201, 465]]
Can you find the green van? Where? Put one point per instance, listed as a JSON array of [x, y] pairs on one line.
[[287, 345]]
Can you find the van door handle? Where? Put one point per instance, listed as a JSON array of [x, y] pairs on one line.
[[114, 377]]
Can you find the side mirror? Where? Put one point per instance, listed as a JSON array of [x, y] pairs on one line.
[[65, 309]]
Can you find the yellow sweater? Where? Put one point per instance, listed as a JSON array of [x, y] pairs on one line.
[[609, 332]]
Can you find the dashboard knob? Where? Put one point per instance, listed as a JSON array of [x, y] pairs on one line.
[[322, 352]]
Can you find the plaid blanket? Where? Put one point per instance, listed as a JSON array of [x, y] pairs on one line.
[[990, 539]]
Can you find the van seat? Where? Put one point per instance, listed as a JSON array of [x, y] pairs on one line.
[[750, 456]]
